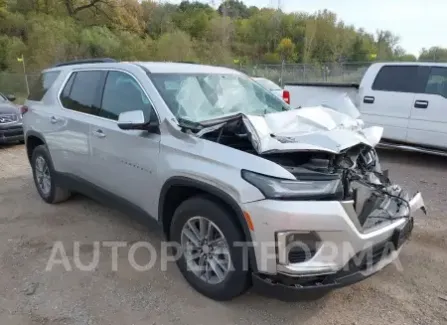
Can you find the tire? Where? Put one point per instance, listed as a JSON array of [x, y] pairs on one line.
[[22, 141], [238, 279], [56, 193]]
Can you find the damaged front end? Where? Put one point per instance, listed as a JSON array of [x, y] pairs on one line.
[[319, 143]]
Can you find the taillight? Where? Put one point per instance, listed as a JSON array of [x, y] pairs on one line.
[[286, 96], [23, 109]]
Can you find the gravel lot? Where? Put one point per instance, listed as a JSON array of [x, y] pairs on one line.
[[31, 295]]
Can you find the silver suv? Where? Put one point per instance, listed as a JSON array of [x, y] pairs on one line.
[[291, 201]]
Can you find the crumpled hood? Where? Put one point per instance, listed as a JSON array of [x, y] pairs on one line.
[[332, 128], [308, 129]]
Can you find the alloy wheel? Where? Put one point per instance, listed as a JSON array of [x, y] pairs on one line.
[[206, 250], [43, 177]]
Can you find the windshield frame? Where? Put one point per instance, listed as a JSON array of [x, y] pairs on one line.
[[268, 96]]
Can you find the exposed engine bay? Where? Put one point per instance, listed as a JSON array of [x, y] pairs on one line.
[[376, 199]]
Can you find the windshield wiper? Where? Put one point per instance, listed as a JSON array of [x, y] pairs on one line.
[[186, 124], [198, 128]]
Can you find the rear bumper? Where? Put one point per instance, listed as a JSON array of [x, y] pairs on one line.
[[11, 133]]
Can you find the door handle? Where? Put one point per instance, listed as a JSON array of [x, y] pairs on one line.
[[421, 104], [54, 119], [368, 99], [99, 133]]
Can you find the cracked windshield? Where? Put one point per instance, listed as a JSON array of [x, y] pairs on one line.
[[215, 95]]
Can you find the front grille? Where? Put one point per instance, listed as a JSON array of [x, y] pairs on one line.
[[368, 258], [11, 132], [8, 118]]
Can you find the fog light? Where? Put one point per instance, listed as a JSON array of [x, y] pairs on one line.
[[296, 247]]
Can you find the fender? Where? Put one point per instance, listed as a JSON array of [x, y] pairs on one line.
[[32, 133], [35, 134], [207, 188]]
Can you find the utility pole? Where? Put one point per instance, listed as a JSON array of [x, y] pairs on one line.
[[276, 5], [22, 59], [224, 22]]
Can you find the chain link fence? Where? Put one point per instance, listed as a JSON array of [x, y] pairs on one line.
[[15, 83], [328, 72]]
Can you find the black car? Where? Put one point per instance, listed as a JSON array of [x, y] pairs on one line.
[[10, 120]]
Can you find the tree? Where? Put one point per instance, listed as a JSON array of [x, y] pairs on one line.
[[435, 53], [386, 43], [359, 52], [175, 46], [221, 30], [74, 7], [159, 19], [309, 37], [234, 9], [286, 49], [49, 31], [186, 6]]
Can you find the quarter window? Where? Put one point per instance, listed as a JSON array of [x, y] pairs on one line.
[[81, 92], [42, 84], [123, 94]]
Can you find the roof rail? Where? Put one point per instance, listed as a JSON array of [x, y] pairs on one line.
[[85, 61]]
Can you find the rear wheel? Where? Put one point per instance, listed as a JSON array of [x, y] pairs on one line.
[[44, 177], [210, 261]]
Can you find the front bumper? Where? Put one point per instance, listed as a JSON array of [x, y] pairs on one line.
[[289, 289], [341, 240], [11, 132], [360, 267]]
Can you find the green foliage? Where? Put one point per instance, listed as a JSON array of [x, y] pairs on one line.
[[286, 49], [10, 49], [175, 46], [98, 41], [433, 54], [50, 40], [50, 31], [234, 9], [271, 58]]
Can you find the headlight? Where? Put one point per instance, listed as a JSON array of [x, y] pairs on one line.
[[324, 187], [8, 118]]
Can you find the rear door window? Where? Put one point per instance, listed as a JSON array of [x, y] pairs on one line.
[[82, 92], [401, 78], [42, 84], [437, 82]]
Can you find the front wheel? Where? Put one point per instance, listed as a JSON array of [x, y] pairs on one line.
[[210, 261]]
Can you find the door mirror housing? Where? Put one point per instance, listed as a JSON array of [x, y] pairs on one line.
[[134, 120], [11, 97]]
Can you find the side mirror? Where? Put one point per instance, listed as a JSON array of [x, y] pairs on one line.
[[11, 98], [134, 120]]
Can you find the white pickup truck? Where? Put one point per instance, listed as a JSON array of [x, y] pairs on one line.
[[409, 100]]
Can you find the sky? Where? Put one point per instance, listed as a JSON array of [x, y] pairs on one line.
[[418, 23]]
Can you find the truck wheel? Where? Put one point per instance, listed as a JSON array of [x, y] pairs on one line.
[[210, 261], [44, 177]]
